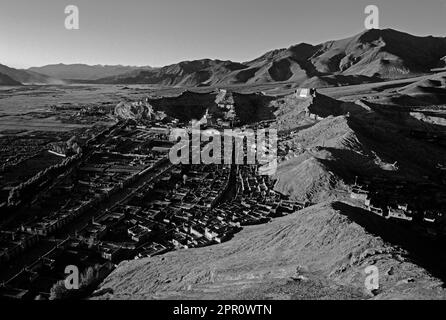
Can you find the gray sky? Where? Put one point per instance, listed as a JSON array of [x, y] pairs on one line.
[[161, 32]]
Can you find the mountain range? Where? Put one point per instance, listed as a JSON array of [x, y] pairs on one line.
[[12, 77], [83, 71], [370, 56]]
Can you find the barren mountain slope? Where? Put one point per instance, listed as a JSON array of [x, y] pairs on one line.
[[6, 80], [320, 252], [27, 77], [370, 56]]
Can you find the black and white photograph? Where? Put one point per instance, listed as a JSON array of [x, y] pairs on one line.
[[217, 157]]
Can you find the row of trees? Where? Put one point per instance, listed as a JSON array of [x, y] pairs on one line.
[[26, 190], [88, 279]]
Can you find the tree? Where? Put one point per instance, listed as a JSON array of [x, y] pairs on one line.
[[59, 291], [88, 277]]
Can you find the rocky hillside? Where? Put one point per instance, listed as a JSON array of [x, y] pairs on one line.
[[248, 107]]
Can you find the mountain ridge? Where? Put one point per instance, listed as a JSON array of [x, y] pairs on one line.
[[20, 76], [6, 80], [370, 56], [79, 71]]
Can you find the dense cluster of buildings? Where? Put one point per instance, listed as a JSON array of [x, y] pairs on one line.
[[111, 167], [125, 200], [184, 207], [173, 211]]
